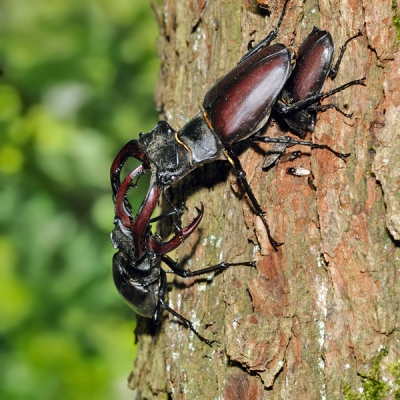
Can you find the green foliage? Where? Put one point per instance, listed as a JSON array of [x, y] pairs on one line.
[[396, 19], [374, 387], [77, 82]]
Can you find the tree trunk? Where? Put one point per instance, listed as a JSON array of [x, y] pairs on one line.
[[312, 317]]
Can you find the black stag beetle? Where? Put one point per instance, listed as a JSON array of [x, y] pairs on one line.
[[313, 65], [234, 109], [137, 270]]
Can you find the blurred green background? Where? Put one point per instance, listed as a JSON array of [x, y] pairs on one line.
[[78, 78]]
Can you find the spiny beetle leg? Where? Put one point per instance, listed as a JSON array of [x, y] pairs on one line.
[[186, 322], [178, 270], [184, 273], [234, 160], [289, 142], [163, 304], [324, 107], [175, 211], [268, 39], [283, 109], [334, 70]]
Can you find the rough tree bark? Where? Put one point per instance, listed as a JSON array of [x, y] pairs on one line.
[[314, 315]]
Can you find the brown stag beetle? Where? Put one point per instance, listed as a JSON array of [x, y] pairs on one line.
[[238, 105], [234, 109], [300, 99], [137, 270]]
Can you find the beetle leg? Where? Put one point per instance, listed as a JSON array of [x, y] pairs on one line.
[[268, 39], [161, 295], [163, 304], [234, 160], [132, 149], [289, 142], [324, 107], [303, 104], [334, 70], [175, 211], [184, 273], [183, 234]]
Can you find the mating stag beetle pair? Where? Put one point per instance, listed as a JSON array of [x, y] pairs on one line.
[[237, 107]]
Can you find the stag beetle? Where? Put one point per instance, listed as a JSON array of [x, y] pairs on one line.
[[137, 270], [234, 109], [238, 105], [301, 95]]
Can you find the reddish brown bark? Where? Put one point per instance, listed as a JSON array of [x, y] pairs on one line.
[[315, 314]]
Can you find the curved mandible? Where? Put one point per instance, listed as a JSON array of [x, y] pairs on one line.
[[132, 149], [122, 214], [163, 248], [136, 228]]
